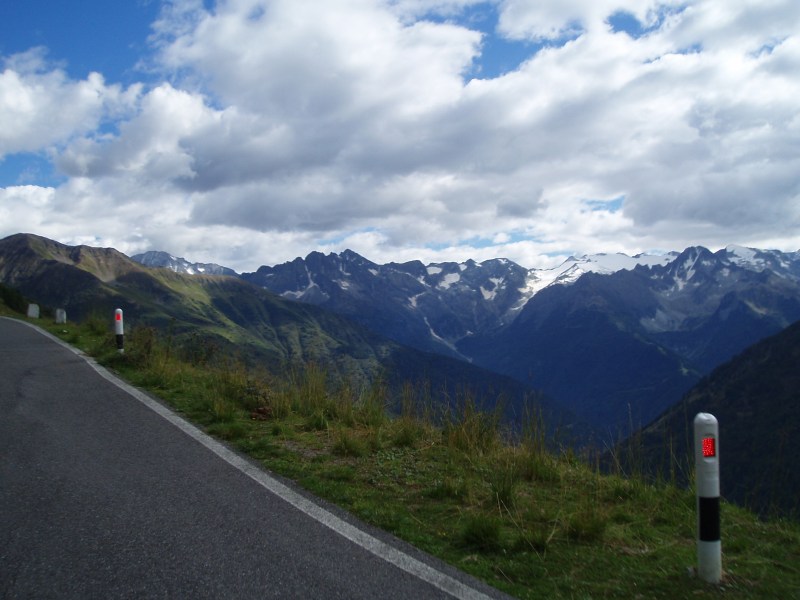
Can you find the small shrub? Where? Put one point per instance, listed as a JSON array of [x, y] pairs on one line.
[[448, 488], [375, 439], [317, 420], [231, 382], [71, 336], [310, 386], [503, 480], [229, 430], [222, 410], [279, 403], [348, 445], [534, 466], [344, 405], [482, 533], [98, 325], [406, 432], [371, 410], [257, 446], [13, 299], [586, 525], [536, 539], [618, 489], [472, 431], [142, 346], [340, 473], [198, 350]]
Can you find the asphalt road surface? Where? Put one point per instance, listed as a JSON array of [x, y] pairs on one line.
[[105, 493]]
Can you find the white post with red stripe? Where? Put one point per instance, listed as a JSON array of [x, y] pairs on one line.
[[706, 453], [119, 330]]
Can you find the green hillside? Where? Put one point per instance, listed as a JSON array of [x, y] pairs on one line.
[[756, 399]]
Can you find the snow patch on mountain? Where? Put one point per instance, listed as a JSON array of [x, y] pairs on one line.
[[785, 265], [449, 280], [439, 338], [491, 293], [177, 264], [574, 268], [311, 292], [742, 256], [412, 301]]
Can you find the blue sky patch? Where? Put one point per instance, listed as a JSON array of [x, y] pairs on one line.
[[91, 35], [611, 206], [624, 21], [27, 168], [499, 55]]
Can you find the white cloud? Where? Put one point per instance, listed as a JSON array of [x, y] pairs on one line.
[[523, 19], [293, 60], [40, 106], [287, 127], [150, 145]]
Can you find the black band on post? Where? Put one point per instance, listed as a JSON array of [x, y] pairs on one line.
[[708, 516]]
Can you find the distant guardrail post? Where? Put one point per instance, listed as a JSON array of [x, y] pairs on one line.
[[706, 453], [33, 311], [119, 330], [61, 316]]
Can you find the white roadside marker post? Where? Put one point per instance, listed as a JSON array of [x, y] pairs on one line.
[[706, 453], [61, 316], [33, 311], [119, 330]]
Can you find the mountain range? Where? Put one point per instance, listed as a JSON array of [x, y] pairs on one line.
[[237, 318], [602, 344], [614, 339]]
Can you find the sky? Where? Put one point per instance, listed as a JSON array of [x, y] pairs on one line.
[[251, 132]]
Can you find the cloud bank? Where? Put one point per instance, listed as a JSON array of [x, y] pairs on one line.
[[264, 130]]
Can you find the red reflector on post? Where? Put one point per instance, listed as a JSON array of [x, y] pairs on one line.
[[118, 316], [709, 447]]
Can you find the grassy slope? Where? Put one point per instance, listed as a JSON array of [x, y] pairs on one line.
[[754, 397], [528, 522]]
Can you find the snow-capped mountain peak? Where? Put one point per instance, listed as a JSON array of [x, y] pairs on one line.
[[449, 307], [154, 258], [783, 264], [741, 255], [574, 268]]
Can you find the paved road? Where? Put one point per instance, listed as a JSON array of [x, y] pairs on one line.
[[104, 493]]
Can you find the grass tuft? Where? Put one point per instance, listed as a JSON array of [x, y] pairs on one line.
[[481, 533], [586, 525], [347, 444]]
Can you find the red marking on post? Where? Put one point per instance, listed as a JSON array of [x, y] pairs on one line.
[[709, 447]]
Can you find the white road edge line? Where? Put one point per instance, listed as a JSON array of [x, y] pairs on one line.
[[361, 538]]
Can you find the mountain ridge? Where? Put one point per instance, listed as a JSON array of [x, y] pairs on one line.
[[657, 324], [156, 258], [242, 319], [617, 345]]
